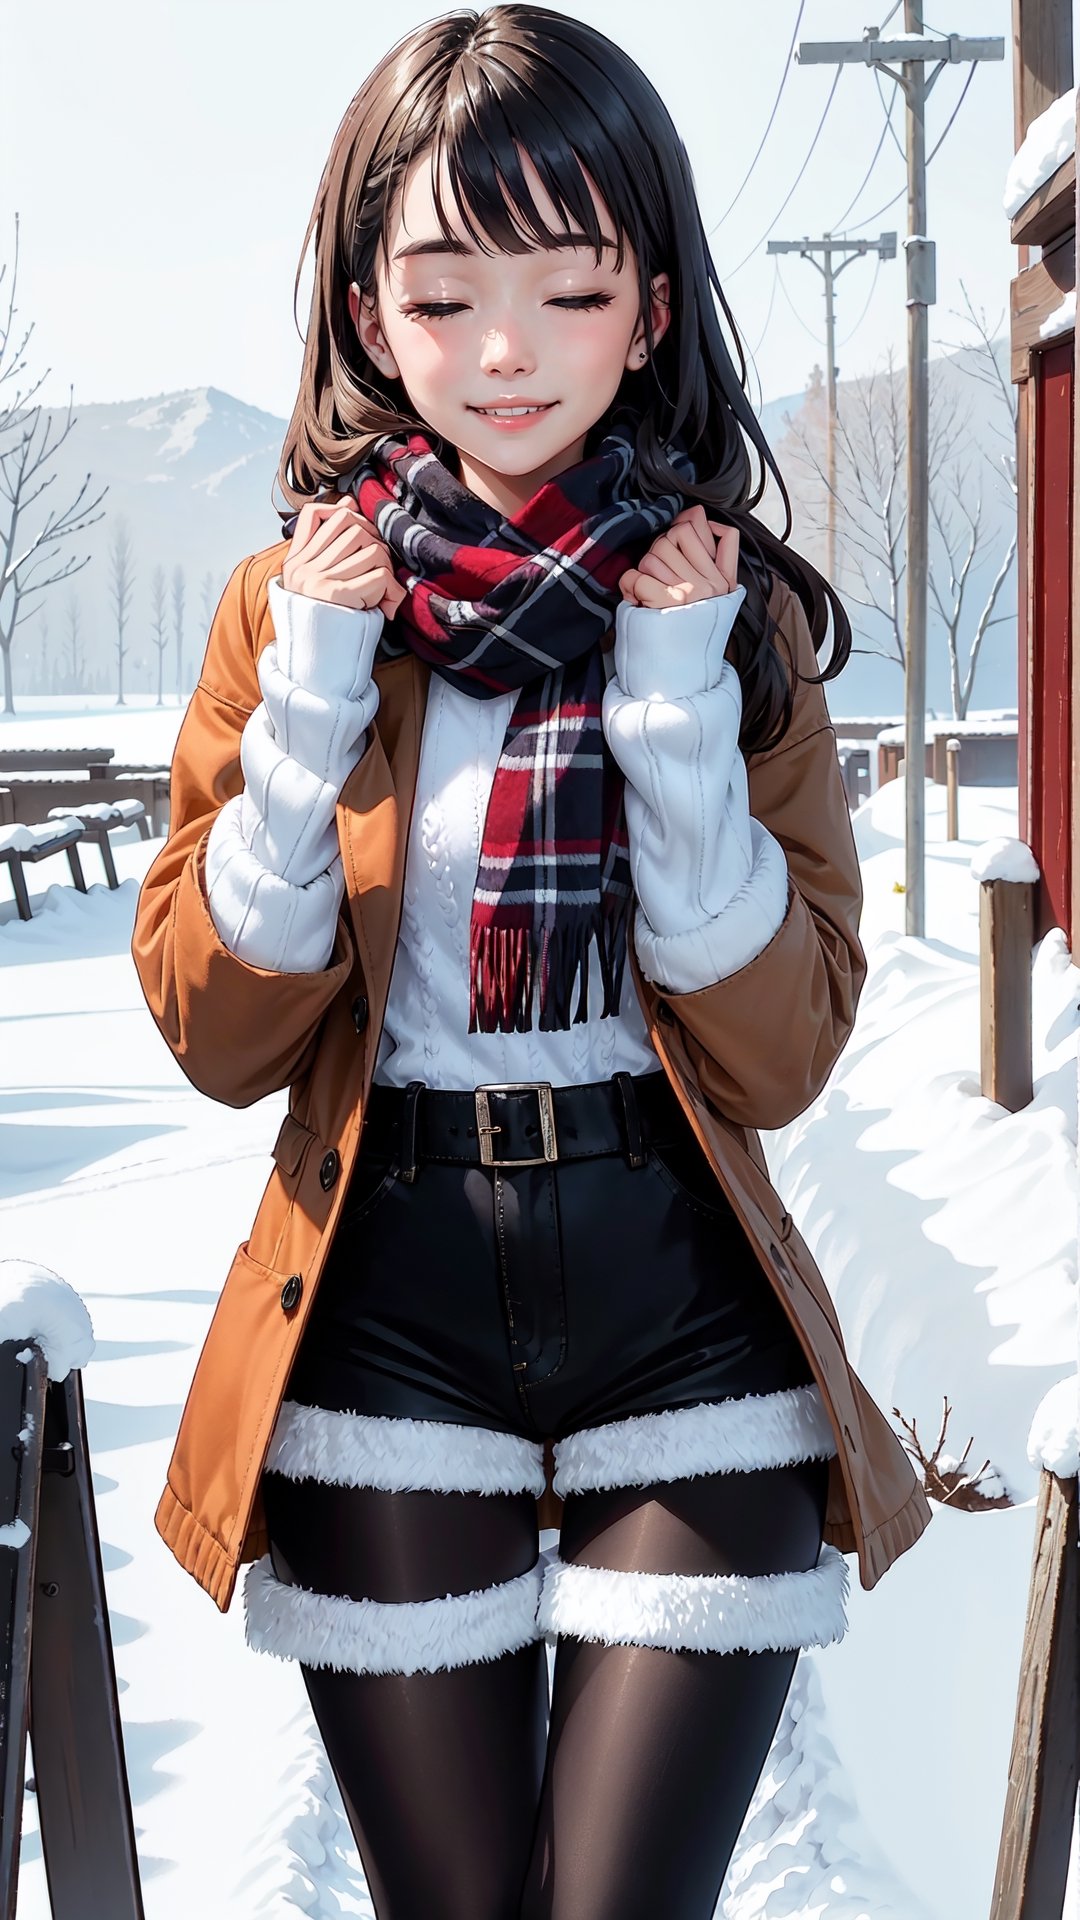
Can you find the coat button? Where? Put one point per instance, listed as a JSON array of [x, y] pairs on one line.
[[360, 1012], [781, 1265], [329, 1168], [291, 1291]]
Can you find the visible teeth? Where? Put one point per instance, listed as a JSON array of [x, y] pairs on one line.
[[509, 413]]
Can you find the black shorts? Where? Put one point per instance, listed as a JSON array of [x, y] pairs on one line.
[[566, 1295]]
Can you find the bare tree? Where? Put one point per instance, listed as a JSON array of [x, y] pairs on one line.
[[72, 611], [120, 583], [871, 510], [23, 480], [211, 594], [161, 638], [178, 590], [961, 530], [962, 533], [870, 495]]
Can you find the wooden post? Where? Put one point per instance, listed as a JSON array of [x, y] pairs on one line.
[[1042, 59], [952, 782], [1040, 1802], [1005, 942]]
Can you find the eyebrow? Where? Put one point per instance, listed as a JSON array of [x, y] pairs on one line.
[[439, 245]]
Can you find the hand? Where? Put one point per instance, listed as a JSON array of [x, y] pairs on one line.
[[694, 559], [335, 554]]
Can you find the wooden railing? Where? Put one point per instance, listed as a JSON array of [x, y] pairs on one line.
[[57, 1677]]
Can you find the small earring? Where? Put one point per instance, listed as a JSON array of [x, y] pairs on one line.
[[641, 355]]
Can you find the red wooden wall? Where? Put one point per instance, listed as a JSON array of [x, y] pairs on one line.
[[1049, 688]]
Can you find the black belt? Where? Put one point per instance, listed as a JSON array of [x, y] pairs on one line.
[[519, 1123]]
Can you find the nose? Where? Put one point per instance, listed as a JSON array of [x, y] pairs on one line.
[[504, 351]]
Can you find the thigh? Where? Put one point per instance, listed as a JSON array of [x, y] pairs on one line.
[[661, 1715], [412, 1614]]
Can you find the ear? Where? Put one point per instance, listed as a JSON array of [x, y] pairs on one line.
[[660, 317], [365, 319]]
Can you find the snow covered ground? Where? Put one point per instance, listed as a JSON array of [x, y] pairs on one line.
[[946, 1229]]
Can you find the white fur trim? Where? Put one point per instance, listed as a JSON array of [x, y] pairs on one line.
[[380, 1636], [731, 1436], [401, 1454], [705, 1612]]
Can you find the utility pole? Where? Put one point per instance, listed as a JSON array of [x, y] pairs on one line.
[[913, 54], [885, 248]]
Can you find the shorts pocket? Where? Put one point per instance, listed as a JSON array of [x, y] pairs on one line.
[[686, 1172], [373, 1177]]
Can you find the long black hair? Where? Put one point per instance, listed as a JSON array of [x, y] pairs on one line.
[[470, 89]]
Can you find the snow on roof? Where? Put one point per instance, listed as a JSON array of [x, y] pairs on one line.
[[1050, 139], [1003, 724]]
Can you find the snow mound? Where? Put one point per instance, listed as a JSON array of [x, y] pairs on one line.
[[1004, 859], [36, 1304], [1054, 1439]]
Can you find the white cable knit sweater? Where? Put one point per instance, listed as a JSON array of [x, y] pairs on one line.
[[710, 881]]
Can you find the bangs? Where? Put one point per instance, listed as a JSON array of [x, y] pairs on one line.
[[489, 115]]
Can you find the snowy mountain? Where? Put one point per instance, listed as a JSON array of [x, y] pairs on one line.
[[192, 473]]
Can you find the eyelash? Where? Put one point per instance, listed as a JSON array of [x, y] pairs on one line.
[[571, 303]]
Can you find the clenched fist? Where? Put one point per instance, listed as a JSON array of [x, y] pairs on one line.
[[336, 555], [694, 559]]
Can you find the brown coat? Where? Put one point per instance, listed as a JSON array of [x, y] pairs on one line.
[[751, 1051]]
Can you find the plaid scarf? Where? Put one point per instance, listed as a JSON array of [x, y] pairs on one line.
[[494, 603]]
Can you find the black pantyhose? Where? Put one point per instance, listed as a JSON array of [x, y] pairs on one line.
[[652, 1755]]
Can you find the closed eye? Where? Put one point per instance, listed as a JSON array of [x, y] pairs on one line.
[[442, 309]]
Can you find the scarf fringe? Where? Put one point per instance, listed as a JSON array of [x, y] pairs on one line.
[[505, 961]]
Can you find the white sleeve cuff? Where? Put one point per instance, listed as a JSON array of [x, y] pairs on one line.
[[700, 956], [662, 653], [273, 869], [261, 918], [328, 649]]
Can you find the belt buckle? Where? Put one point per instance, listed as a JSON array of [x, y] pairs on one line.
[[485, 1129]]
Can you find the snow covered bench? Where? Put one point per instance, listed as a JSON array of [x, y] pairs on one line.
[[21, 843], [43, 759], [100, 818]]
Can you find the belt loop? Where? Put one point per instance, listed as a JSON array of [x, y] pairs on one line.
[[632, 1117], [409, 1129]]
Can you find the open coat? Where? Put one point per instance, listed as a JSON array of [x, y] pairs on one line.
[[751, 1051]]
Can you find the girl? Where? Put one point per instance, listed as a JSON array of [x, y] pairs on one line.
[[521, 499]]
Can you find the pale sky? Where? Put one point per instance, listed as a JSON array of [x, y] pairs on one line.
[[163, 156]]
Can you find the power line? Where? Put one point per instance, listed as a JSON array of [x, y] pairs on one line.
[[963, 91], [887, 111], [807, 329], [772, 297], [936, 148], [838, 225], [825, 114], [866, 308], [783, 83]]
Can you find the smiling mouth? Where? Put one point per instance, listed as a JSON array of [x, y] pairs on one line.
[[513, 413]]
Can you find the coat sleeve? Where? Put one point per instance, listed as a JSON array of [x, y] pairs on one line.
[[764, 1040], [238, 1031]]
